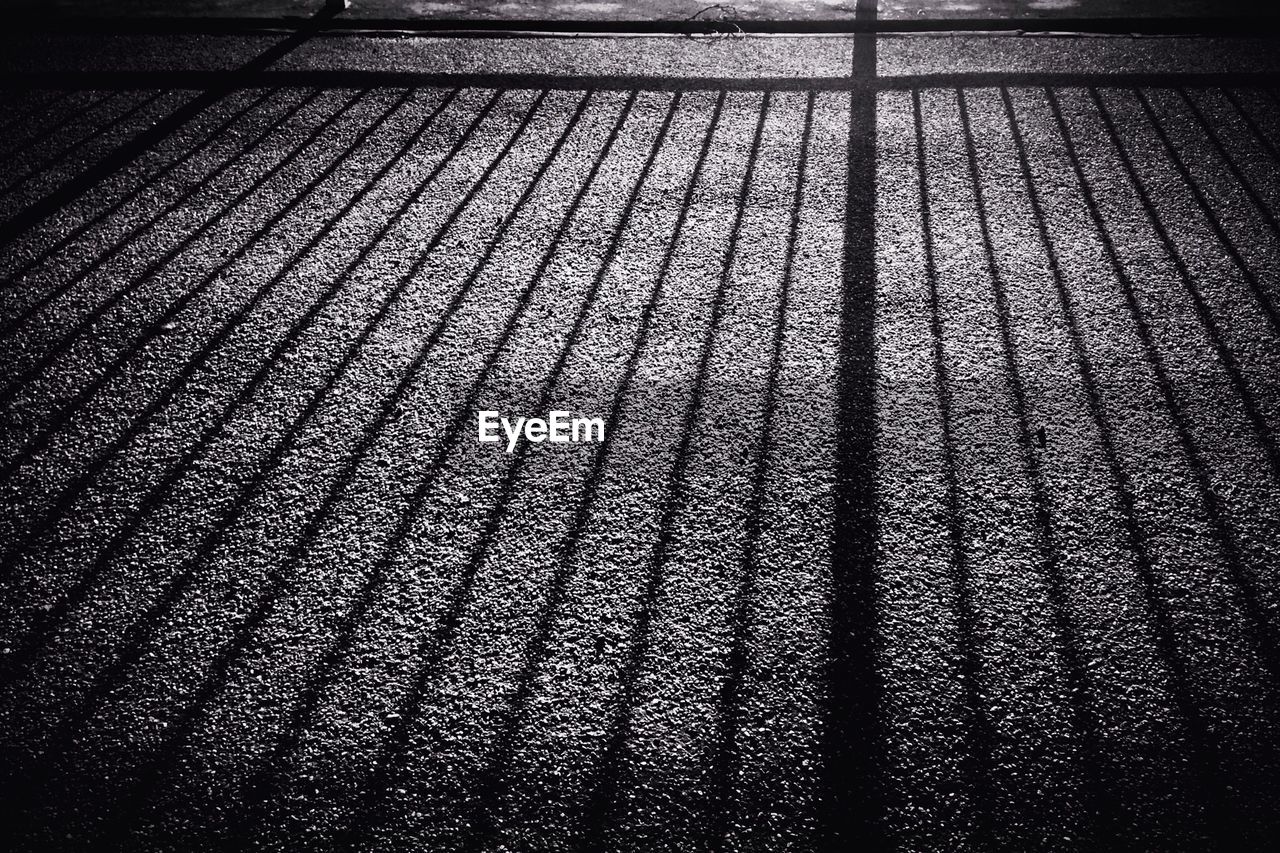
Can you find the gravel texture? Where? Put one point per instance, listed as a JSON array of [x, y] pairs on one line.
[[939, 506]]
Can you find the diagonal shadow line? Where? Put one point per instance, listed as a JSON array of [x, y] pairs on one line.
[[852, 745], [434, 646], [36, 212], [492, 777], [1214, 513], [83, 480], [1136, 539], [272, 776], [1249, 599], [79, 483], [607, 778], [46, 622], [1265, 302], [83, 228], [52, 161], [377, 787], [1263, 209], [67, 411], [1226, 355], [730, 700], [30, 113], [454, 430], [43, 134], [1084, 720], [277, 584], [142, 630], [85, 324], [12, 326], [977, 762], [1258, 133]]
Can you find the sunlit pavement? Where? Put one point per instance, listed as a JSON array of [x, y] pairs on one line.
[[995, 12], [939, 506]]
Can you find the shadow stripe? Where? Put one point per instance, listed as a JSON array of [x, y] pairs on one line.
[[59, 198], [853, 740], [57, 158], [154, 180], [12, 325], [1135, 538], [1083, 719], [65, 413], [154, 499], [978, 762], [155, 764], [607, 783], [1154, 361], [487, 810], [326, 670]]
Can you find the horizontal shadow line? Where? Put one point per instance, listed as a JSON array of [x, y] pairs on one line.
[[356, 78], [1245, 25], [106, 80], [1014, 79]]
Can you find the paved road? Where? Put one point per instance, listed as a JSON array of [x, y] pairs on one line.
[[940, 501], [649, 10]]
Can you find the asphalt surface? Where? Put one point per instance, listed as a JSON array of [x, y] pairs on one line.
[[648, 10], [940, 501]]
